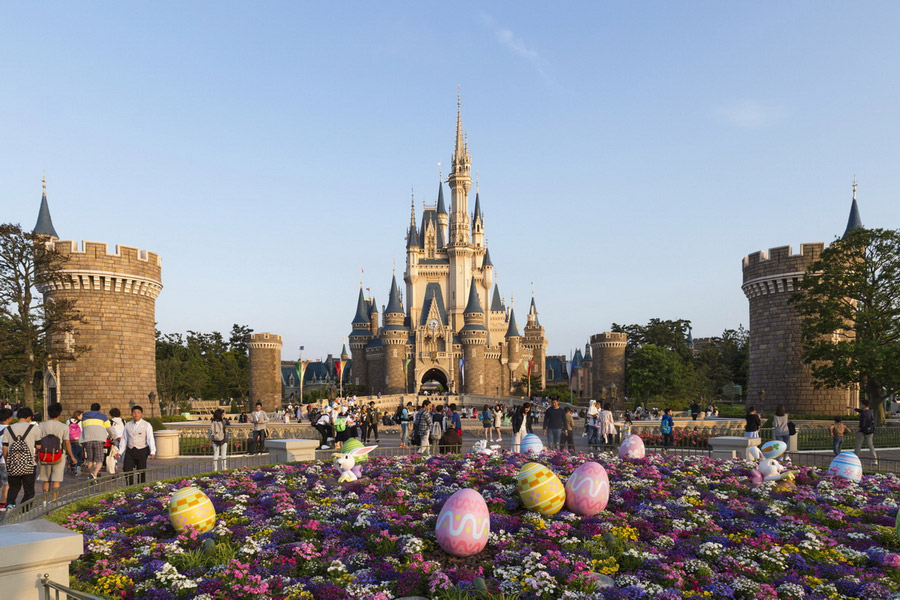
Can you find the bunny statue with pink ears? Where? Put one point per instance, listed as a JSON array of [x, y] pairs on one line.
[[346, 461]]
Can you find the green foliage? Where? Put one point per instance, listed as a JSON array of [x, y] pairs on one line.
[[202, 365], [207, 557], [659, 376], [521, 386], [849, 301], [560, 392]]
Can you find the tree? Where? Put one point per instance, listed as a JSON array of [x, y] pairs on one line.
[[659, 374], [849, 302], [663, 333], [28, 324]]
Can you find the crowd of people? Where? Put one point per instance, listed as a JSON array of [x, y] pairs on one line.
[[84, 444]]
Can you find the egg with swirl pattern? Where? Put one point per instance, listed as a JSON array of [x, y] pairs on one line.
[[587, 490], [464, 523]]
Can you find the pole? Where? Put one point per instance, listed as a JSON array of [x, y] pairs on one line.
[[301, 373]]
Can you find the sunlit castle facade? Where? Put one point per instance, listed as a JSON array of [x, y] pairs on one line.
[[454, 327]]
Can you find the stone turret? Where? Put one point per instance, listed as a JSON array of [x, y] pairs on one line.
[[536, 343], [359, 339], [587, 363], [474, 340], [395, 336], [265, 370], [608, 367], [478, 222]]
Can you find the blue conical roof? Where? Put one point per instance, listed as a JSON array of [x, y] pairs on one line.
[[412, 238], [373, 307], [854, 221], [474, 305], [441, 209], [395, 305], [477, 207], [362, 310], [44, 225], [496, 301], [512, 330], [487, 259]]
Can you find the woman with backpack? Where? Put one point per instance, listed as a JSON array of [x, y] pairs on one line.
[[667, 427], [218, 434], [486, 422], [780, 425]]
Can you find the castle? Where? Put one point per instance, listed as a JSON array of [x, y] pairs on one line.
[[115, 293], [449, 332], [778, 374], [599, 373]]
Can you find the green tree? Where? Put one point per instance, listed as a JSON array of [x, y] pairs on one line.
[[28, 325], [660, 375], [663, 333], [849, 301]]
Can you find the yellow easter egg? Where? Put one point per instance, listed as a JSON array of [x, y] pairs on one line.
[[540, 489], [190, 506]]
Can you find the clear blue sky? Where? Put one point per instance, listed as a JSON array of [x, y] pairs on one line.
[[629, 154]]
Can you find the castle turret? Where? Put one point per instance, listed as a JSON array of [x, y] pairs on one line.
[[442, 216], [460, 183], [44, 225], [586, 375], [373, 317], [478, 222], [474, 339], [359, 338], [608, 369], [265, 370], [514, 349], [344, 355], [536, 343], [854, 221], [395, 336]]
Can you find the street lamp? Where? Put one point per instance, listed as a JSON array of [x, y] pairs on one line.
[[612, 392]]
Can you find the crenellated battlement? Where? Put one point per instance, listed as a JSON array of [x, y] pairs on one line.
[[610, 339], [96, 258], [780, 261]]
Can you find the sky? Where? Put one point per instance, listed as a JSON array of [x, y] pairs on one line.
[[629, 155]]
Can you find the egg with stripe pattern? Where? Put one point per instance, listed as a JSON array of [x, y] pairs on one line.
[[540, 489], [464, 524], [587, 490], [531, 444], [189, 506], [847, 465]]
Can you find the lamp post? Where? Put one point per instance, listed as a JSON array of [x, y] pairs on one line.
[[612, 392], [301, 373], [152, 399]]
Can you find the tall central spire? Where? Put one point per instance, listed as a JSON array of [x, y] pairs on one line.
[[460, 144], [460, 182]]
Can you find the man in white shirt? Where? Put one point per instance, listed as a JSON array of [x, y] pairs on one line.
[[259, 418], [137, 444]]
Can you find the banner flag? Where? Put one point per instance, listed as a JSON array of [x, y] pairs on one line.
[[530, 364], [462, 370]]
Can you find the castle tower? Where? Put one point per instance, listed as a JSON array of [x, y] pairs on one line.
[[514, 350], [395, 336], [587, 367], [115, 292], [359, 339], [442, 216], [474, 340], [460, 181], [776, 348], [265, 370], [608, 367], [477, 222], [535, 341]]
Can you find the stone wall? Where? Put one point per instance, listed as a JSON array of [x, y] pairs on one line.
[[115, 292], [265, 370], [608, 364], [776, 348]]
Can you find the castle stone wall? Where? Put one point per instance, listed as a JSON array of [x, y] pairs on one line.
[[115, 292], [265, 370], [776, 348], [608, 364]]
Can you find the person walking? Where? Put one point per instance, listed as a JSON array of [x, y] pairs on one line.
[[554, 421], [374, 418], [866, 432], [325, 428], [137, 444], [487, 420], [258, 418], [5, 419], [569, 431], [218, 435], [752, 423], [405, 418], [115, 419], [74, 424], [837, 435], [780, 430], [53, 468], [607, 424], [498, 421], [95, 428], [422, 428], [522, 422], [21, 442], [667, 428]]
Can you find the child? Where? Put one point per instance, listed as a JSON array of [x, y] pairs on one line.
[[837, 435], [626, 426]]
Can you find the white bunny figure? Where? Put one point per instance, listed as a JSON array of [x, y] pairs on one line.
[[346, 461], [768, 469]]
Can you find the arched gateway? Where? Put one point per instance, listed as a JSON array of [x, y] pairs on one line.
[[434, 377]]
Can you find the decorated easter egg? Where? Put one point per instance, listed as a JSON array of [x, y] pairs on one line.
[[847, 465], [632, 447], [773, 448], [587, 490], [531, 443], [351, 445], [190, 506], [463, 524], [540, 489]]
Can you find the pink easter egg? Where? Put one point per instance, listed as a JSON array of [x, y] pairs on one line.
[[632, 447], [587, 490], [463, 524]]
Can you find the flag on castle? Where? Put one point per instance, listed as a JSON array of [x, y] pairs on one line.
[[339, 367], [462, 370], [530, 364], [301, 369]]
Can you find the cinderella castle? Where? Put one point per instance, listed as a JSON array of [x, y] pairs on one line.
[[455, 328]]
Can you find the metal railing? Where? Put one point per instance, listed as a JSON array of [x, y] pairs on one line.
[[41, 505], [49, 587]]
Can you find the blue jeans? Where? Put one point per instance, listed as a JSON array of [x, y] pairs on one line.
[[404, 426], [553, 438], [593, 438], [837, 443], [783, 438]]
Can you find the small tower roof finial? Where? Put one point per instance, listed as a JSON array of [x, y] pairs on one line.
[[44, 225], [853, 221], [854, 186], [44, 183]]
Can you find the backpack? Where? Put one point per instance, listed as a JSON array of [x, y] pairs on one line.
[[398, 416], [340, 424], [792, 429], [19, 457], [217, 433], [665, 427], [74, 432], [51, 451]]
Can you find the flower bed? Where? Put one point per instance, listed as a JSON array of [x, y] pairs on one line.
[[675, 527], [683, 437]]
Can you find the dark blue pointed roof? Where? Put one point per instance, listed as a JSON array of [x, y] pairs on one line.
[[487, 259], [344, 350], [362, 310], [373, 307], [395, 305], [512, 330], [496, 301], [853, 222], [412, 238], [441, 209], [690, 338], [576, 360], [587, 353], [44, 225], [430, 215], [433, 296], [474, 305], [477, 207]]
